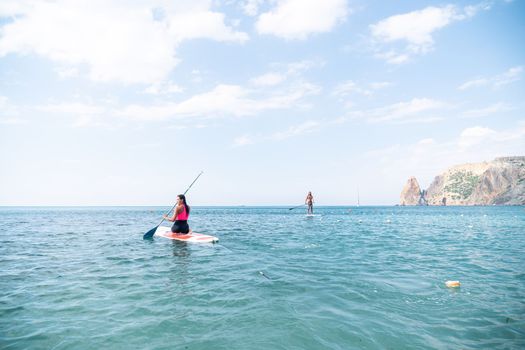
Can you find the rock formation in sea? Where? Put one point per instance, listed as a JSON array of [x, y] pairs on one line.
[[498, 182], [412, 194]]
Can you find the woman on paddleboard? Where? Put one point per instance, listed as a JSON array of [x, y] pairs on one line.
[[309, 201], [180, 216]]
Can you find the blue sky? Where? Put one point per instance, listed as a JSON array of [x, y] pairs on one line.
[[124, 103]]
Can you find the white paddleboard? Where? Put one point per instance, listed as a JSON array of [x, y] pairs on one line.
[[194, 237]]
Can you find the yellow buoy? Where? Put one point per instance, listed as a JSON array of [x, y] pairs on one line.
[[452, 284]]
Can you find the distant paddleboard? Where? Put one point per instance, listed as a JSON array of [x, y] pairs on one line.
[[194, 237], [311, 215]]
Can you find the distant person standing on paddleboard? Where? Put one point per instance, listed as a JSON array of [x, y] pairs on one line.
[[180, 216], [309, 201]]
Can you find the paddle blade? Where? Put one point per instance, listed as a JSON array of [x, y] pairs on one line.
[[150, 233]]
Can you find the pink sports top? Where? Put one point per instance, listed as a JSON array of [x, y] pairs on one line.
[[182, 215]]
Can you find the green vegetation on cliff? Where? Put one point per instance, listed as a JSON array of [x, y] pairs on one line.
[[462, 183], [497, 182]]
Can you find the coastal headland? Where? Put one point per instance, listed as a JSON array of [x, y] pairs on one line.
[[497, 182]]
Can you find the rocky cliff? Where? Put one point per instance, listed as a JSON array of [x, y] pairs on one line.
[[412, 194], [501, 181]]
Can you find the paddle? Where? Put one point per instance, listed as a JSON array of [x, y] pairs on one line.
[[296, 207], [151, 232]]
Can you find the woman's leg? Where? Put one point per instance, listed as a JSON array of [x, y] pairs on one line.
[[184, 228], [180, 227]]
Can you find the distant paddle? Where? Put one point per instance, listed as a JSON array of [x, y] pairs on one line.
[[296, 207], [151, 232]]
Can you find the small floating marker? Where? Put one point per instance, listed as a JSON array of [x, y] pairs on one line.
[[263, 274], [388, 221], [452, 284]]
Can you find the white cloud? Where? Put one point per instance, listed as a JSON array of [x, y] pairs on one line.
[[72, 108], [298, 67], [9, 114], [283, 71], [197, 76], [84, 121], [12, 121], [380, 85], [82, 115], [79, 114], [393, 57], [14, 8], [202, 24], [67, 72], [512, 75], [482, 112], [268, 79], [474, 136], [479, 138], [427, 141], [163, 88], [243, 141], [427, 158], [474, 83], [223, 100], [297, 19], [116, 41], [350, 87], [415, 29], [251, 7], [417, 110], [304, 128]]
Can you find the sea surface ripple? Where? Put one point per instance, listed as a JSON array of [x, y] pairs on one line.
[[347, 278]]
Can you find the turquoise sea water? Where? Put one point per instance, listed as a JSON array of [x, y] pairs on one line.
[[349, 278]]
